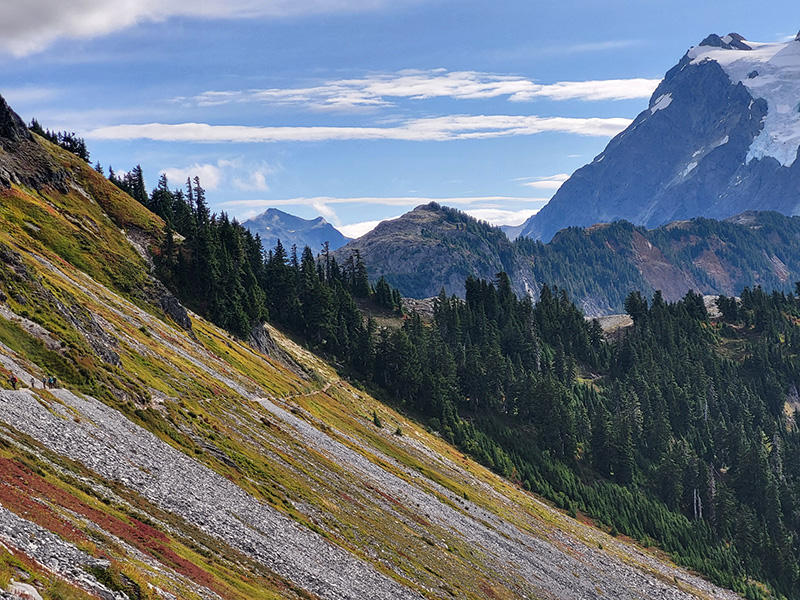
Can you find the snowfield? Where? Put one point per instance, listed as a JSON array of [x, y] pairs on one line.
[[771, 72]]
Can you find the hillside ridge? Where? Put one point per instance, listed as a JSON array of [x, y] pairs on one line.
[[433, 248]]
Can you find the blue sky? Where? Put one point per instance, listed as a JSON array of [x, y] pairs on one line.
[[357, 110]]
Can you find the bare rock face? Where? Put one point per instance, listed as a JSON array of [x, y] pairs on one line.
[[12, 128], [261, 341], [175, 310], [22, 160]]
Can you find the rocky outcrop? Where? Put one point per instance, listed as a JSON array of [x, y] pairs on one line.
[[262, 341], [174, 309], [22, 159]]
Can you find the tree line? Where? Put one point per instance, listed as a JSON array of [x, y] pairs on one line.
[[66, 139]]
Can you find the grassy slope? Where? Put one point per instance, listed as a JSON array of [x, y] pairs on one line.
[[199, 397]]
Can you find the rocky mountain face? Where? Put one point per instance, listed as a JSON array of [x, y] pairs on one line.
[[145, 453], [273, 225], [433, 247], [720, 136]]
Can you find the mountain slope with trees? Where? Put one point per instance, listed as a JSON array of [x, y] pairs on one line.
[[431, 247]]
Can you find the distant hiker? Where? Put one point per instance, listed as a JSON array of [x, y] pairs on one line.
[[55, 382], [44, 382], [33, 383], [13, 381]]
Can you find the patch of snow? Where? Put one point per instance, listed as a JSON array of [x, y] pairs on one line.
[[698, 155], [689, 168], [663, 101], [777, 82]]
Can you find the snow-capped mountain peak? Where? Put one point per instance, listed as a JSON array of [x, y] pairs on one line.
[[719, 136], [770, 72]]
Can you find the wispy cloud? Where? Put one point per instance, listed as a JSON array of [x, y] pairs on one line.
[[553, 182], [524, 52], [431, 129], [499, 216], [356, 230], [238, 172], [603, 89], [380, 89], [596, 46], [378, 200], [33, 25], [209, 174]]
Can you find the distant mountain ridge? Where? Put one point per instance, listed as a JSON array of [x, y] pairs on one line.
[[720, 136], [273, 225], [435, 247]]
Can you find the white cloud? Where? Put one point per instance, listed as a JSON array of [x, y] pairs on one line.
[[32, 25], [499, 216], [209, 175], [608, 89], [239, 172], [406, 201], [256, 178], [553, 182], [356, 230], [378, 90], [326, 211], [429, 129]]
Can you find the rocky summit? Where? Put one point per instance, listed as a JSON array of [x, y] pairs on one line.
[[720, 136]]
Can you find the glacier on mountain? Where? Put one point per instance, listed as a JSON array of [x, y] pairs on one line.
[[719, 136], [770, 72]]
